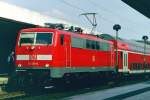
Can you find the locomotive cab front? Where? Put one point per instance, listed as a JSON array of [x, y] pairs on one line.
[[34, 51]]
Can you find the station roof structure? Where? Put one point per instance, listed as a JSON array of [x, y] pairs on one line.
[[12, 12], [143, 6]]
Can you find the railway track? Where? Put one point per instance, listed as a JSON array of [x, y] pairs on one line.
[[58, 93]]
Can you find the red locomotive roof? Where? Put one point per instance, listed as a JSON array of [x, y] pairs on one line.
[[37, 30], [82, 35]]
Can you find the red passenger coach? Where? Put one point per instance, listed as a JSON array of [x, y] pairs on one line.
[[131, 55], [135, 61]]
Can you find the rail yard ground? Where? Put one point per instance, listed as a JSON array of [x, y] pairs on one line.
[[110, 90]]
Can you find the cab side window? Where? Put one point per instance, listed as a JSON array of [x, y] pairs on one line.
[[62, 39]]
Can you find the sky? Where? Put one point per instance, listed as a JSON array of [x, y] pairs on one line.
[[109, 12]]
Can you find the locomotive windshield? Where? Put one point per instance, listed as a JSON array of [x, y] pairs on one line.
[[37, 38]]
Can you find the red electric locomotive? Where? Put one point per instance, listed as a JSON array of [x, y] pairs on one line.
[[47, 54]]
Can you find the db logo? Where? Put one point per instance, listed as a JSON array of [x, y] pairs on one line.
[[33, 57]]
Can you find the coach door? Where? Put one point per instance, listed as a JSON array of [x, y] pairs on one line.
[[125, 61]]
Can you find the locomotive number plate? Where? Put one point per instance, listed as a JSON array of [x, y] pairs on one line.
[[33, 57]]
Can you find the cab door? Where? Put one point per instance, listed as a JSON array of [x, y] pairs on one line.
[[67, 51], [125, 61]]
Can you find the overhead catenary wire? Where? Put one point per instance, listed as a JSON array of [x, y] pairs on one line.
[[104, 19], [113, 13], [71, 5]]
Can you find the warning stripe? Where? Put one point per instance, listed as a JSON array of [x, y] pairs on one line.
[[38, 57]]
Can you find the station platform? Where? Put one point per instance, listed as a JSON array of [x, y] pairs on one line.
[[139, 91]]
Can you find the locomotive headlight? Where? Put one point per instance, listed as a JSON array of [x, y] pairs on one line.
[[19, 65], [32, 47], [46, 65]]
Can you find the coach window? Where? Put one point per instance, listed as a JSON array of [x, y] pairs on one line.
[[146, 66], [88, 44], [134, 66], [137, 66], [93, 44], [149, 66], [62, 39], [141, 66], [97, 45], [78, 42], [105, 46]]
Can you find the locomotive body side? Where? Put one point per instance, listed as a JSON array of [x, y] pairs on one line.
[[85, 54], [66, 53]]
